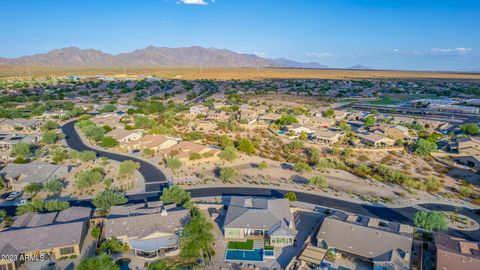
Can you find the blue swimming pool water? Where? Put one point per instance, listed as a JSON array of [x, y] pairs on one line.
[[269, 253], [245, 255]]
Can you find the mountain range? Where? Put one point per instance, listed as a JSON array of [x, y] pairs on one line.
[[152, 57]]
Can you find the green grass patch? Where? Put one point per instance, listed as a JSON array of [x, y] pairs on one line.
[[248, 245], [269, 248]]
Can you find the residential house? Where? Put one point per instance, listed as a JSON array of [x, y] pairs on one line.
[[150, 230], [250, 116], [395, 132], [325, 136], [8, 140], [20, 125], [470, 161], [253, 218], [111, 119], [381, 244], [153, 142], [324, 122], [51, 115], [432, 124], [375, 140], [269, 118], [17, 176], [198, 110], [402, 120], [188, 151], [54, 235], [217, 116], [456, 253], [340, 114], [123, 135], [469, 146], [298, 129]]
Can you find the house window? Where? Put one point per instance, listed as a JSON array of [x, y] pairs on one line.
[[67, 251], [6, 267]]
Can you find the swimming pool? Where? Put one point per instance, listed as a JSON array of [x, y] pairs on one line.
[[256, 255], [244, 255]]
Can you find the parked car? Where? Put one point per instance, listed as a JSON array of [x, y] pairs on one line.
[[21, 202], [14, 195], [5, 195]]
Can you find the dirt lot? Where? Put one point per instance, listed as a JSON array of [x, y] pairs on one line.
[[190, 73]]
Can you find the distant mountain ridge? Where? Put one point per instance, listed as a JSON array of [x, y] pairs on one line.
[[152, 57]]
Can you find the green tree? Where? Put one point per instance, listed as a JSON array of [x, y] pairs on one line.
[[291, 196], [286, 120], [369, 121], [84, 156], [318, 181], [424, 147], [108, 198], [229, 153], [328, 113], [53, 185], [227, 174], [88, 178], [431, 220], [50, 125], [108, 108], [246, 146], [22, 150], [344, 126], [33, 188], [432, 184], [128, 167], [176, 194], [103, 261], [197, 238], [262, 165], [108, 142], [50, 137], [112, 246], [56, 205], [93, 132], [301, 167], [59, 155], [173, 163], [470, 129]]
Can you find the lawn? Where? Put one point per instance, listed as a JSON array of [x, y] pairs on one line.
[[248, 245]]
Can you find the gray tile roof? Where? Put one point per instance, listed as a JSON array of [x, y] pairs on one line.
[[34, 231], [140, 225], [33, 172], [259, 213], [378, 242]]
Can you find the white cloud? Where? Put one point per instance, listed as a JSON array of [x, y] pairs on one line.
[[396, 50], [451, 51], [194, 2], [322, 55]]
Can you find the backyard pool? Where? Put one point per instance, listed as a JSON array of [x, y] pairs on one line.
[[244, 255], [123, 263]]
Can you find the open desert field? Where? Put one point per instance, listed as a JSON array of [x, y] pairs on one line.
[[191, 73]]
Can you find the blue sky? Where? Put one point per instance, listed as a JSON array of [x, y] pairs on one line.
[[396, 34]]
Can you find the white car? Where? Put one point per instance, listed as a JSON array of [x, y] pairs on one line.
[[14, 195], [21, 202]]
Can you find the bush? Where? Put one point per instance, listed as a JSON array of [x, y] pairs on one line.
[[228, 174], [424, 147], [432, 184], [246, 146], [106, 199], [108, 142], [53, 185], [318, 181], [50, 137], [431, 220], [301, 167], [229, 153], [128, 167], [291, 196], [88, 178], [262, 165], [173, 163], [176, 194]]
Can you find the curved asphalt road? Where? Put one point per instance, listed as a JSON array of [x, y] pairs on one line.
[[155, 180]]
